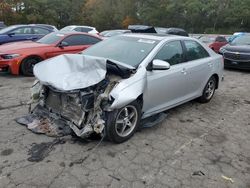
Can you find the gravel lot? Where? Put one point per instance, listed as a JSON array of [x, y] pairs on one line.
[[198, 145]]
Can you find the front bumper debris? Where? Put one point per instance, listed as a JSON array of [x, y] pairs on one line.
[[41, 122]]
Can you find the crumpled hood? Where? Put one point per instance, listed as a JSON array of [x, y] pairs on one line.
[[71, 71]]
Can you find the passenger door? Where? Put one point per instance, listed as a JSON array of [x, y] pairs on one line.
[[20, 34], [74, 44], [166, 88], [198, 67]]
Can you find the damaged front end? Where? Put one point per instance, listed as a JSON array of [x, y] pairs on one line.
[[67, 107]]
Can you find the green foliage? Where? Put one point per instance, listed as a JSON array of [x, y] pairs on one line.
[[197, 16]]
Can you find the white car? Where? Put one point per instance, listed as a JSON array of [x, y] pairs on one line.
[[79, 28], [113, 85]]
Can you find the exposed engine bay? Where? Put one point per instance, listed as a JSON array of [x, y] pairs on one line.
[[79, 111]]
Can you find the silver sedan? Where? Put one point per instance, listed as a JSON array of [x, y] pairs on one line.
[[112, 86]]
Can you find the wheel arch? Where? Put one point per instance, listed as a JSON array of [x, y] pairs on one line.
[[30, 56], [216, 76]]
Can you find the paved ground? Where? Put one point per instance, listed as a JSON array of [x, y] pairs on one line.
[[196, 146]]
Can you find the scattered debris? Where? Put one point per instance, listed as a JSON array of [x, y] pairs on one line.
[[186, 120], [79, 161], [227, 179], [198, 173], [118, 179], [40, 151], [246, 102]]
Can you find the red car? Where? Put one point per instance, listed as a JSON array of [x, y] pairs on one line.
[[20, 57], [214, 42]]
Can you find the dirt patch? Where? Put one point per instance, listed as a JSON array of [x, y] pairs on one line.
[[40, 151], [7, 152], [111, 154], [186, 120], [216, 138]]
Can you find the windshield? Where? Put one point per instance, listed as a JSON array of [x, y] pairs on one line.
[[7, 29], [129, 50], [68, 28], [112, 33], [241, 40], [51, 38]]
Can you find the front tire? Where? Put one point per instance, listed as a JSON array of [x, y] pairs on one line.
[[121, 124], [208, 91], [28, 64]]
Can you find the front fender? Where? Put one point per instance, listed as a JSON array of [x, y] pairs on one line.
[[128, 90]]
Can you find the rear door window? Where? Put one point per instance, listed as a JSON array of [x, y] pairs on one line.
[[194, 51], [172, 53], [40, 31], [22, 31]]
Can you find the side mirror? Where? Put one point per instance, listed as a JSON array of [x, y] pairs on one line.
[[159, 65], [63, 44], [11, 34]]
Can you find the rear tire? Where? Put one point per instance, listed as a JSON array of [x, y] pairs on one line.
[[28, 64], [121, 124], [208, 91]]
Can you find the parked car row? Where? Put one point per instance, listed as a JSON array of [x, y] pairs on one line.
[[20, 57], [237, 53]]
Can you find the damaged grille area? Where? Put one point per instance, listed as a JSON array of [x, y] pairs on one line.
[[69, 105]]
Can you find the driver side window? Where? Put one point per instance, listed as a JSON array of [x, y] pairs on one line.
[[172, 53]]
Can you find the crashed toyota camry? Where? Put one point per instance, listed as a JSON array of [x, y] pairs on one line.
[[114, 85]]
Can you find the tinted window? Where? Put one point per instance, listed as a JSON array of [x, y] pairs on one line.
[[23, 30], [241, 40], [220, 39], [78, 29], [40, 31], [51, 38], [85, 29], [172, 53], [129, 50], [194, 51], [77, 40]]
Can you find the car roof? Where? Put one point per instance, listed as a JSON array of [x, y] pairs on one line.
[[67, 33], [85, 26], [154, 36]]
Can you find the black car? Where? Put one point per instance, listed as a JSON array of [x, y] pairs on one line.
[[237, 53], [159, 30], [141, 29], [171, 31]]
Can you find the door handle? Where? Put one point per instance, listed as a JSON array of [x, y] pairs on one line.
[[32, 38], [210, 64]]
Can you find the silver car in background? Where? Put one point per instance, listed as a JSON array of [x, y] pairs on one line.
[[113, 85]]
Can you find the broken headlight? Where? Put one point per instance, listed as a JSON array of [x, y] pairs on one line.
[[88, 101]]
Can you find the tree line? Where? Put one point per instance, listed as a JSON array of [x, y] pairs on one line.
[[196, 16]]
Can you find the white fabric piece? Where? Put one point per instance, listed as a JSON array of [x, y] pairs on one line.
[[71, 71]]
